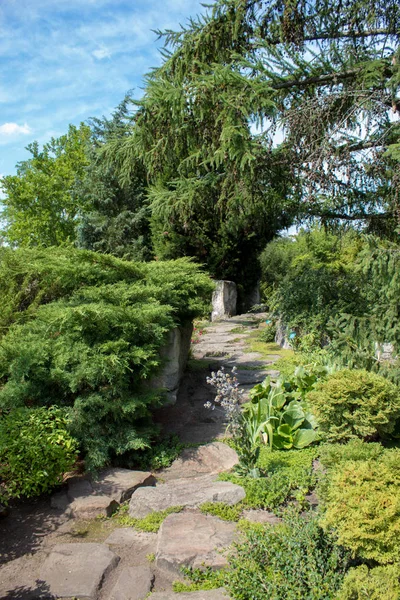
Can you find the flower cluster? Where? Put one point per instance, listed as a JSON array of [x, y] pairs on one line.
[[228, 396]]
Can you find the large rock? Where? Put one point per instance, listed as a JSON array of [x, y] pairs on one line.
[[77, 570], [218, 594], [224, 300], [189, 493], [193, 540], [134, 583], [90, 507], [209, 459], [120, 484], [174, 354]]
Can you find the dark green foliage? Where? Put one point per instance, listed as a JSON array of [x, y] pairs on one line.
[[118, 222], [160, 455], [283, 474], [380, 583], [87, 334], [292, 561], [312, 277], [353, 403], [36, 449], [361, 506]]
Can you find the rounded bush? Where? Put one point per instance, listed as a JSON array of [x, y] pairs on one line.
[[352, 404], [35, 451], [361, 506], [381, 583]]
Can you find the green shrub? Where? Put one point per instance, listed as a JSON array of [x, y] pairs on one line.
[[355, 404], [84, 330], [35, 451], [285, 473], [362, 508], [330, 455], [267, 334], [292, 561], [380, 583]]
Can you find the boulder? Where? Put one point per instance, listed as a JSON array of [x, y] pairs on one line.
[[189, 493], [90, 507], [224, 300], [133, 583], [120, 484], [77, 570], [209, 459], [192, 540]]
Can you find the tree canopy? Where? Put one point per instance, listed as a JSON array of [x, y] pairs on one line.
[[263, 111], [40, 206]]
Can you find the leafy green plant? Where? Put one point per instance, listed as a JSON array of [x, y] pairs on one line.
[[150, 523], [281, 476], [36, 449], [354, 403], [379, 583], [267, 333], [161, 454], [276, 414], [361, 506], [291, 561]]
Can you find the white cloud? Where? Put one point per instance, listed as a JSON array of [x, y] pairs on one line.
[[101, 53], [14, 129]]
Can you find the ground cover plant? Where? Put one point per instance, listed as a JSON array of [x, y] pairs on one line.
[[84, 331]]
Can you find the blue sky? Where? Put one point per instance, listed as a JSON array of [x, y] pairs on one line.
[[63, 61]]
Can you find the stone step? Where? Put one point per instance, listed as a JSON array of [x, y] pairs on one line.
[[193, 540], [189, 493]]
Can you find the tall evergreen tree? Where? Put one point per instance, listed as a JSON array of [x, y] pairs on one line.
[[118, 222], [322, 76]]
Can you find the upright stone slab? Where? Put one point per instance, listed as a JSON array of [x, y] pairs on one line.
[[224, 300], [174, 354]]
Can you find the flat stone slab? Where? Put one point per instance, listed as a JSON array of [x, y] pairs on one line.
[[210, 459], [219, 594], [133, 583], [120, 484], [128, 536], [89, 507], [192, 540], [189, 493], [251, 376], [77, 570]]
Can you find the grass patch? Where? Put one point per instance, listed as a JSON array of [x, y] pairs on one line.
[[222, 511], [151, 523], [239, 329], [200, 579], [254, 344]]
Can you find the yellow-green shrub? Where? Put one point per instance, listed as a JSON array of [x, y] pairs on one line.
[[361, 503], [35, 451], [354, 403], [381, 583]]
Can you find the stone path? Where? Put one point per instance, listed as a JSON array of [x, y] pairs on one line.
[[121, 563]]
